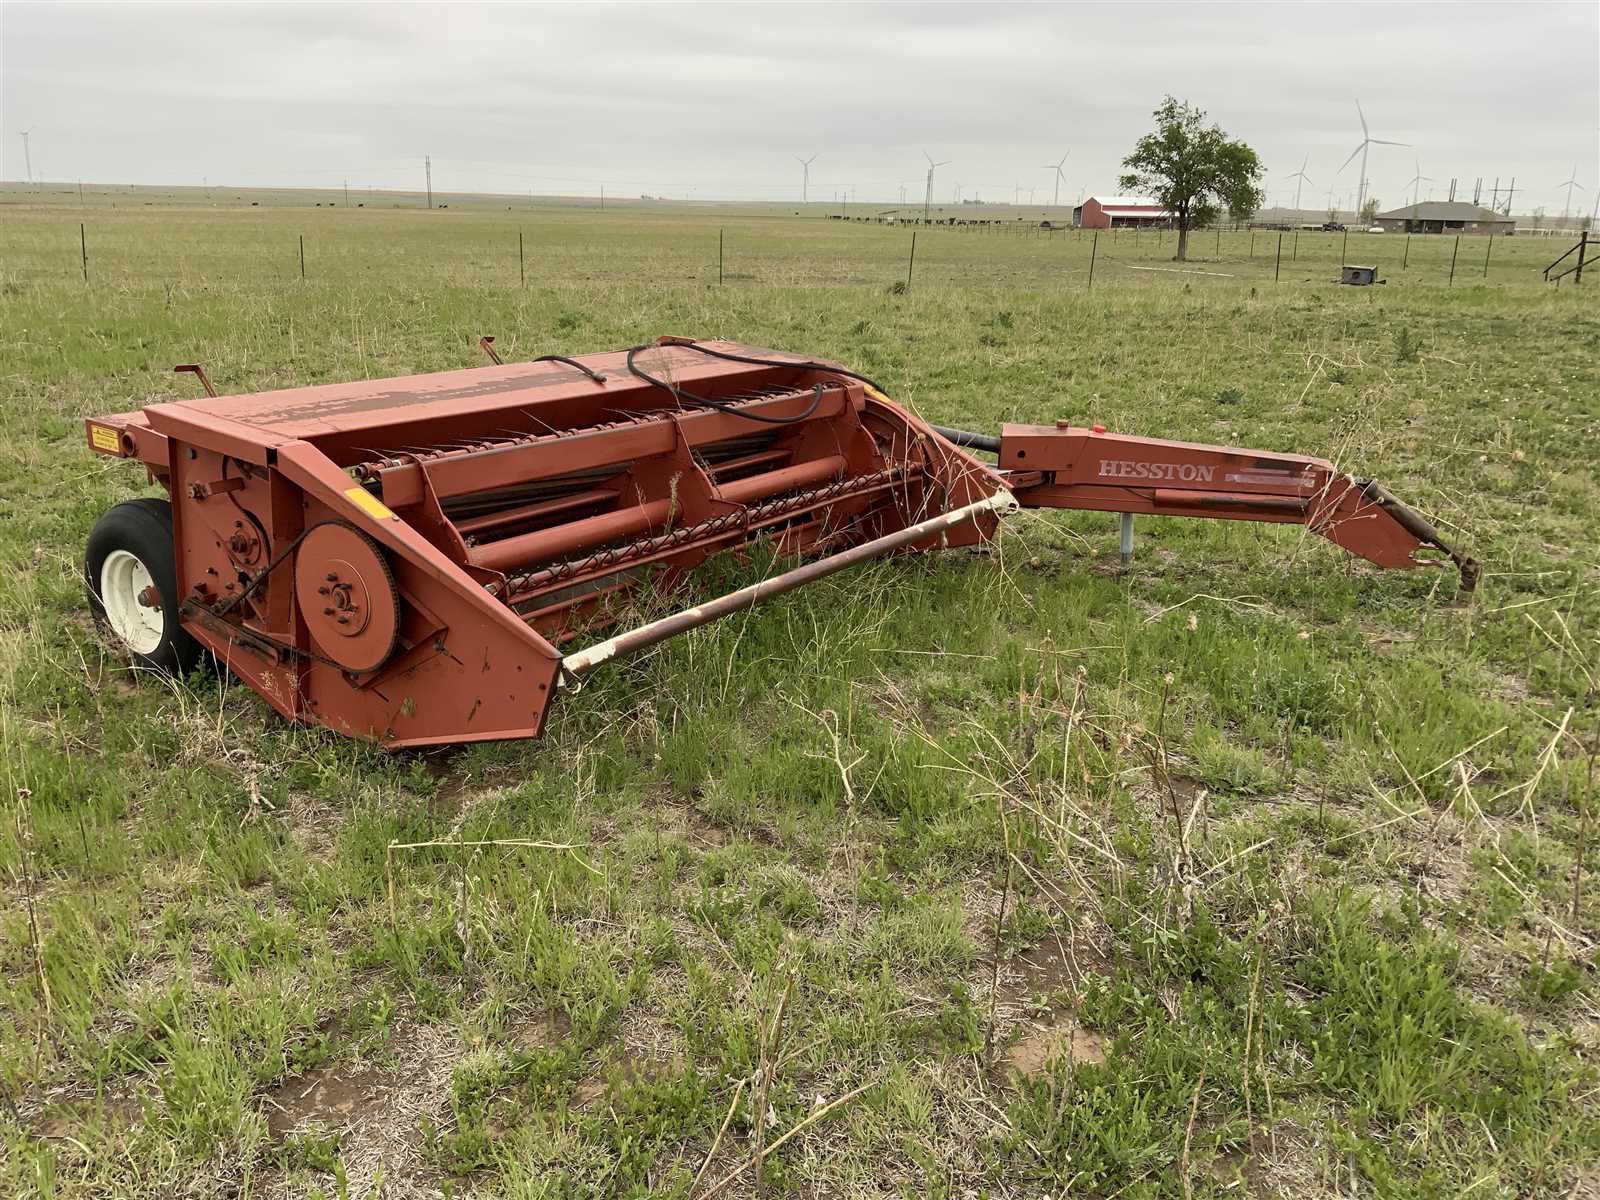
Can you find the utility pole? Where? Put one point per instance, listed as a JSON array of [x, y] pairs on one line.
[[347, 193], [602, 197], [27, 156], [427, 168]]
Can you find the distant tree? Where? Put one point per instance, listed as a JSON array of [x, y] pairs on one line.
[[1192, 169], [1369, 210]]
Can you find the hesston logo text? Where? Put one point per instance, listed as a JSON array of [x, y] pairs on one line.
[[1119, 468]]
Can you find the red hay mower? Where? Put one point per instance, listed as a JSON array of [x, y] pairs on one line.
[[404, 560]]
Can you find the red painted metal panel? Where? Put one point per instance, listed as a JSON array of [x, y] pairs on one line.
[[480, 513]]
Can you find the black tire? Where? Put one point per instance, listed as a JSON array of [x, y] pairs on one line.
[[142, 528]]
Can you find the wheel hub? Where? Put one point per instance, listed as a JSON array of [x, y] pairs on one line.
[[131, 601]]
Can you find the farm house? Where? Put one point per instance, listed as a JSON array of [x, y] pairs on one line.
[[1120, 212], [1444, 216]]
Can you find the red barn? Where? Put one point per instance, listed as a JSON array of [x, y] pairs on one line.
[[1120, 211]]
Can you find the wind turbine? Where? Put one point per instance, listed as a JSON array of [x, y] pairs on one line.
[[1569, 183], [805, 178], [927, 196], [1056, 167], [1416, 182], [1366, 140], [1301, 178]]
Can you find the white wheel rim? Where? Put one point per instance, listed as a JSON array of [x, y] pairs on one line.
[[125, 588]]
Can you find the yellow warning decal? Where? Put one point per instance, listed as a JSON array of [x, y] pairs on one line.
[[875, 393], [369, 504], [102, 438]]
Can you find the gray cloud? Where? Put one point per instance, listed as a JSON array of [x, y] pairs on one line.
[[716, 100]]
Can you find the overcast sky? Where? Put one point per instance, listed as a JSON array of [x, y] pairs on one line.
[[715, 101]]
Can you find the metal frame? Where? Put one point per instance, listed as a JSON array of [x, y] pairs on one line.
[[486, 518]]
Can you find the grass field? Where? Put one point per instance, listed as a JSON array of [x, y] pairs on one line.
[[1245, 871]]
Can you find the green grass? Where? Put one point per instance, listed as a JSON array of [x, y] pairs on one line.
[[1307, 917]]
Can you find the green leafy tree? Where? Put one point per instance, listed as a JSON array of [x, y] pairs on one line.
[[1193, 169], [1369, 211]]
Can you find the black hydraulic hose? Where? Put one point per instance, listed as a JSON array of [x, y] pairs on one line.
[[685, 397], [572, 362], [798, 364], [968, 440], [961, 437]]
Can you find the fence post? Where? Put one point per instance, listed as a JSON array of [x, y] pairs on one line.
[[1487, 250], [1252, 243], [302, 256], [1407, 256], [719, 257], [1583, 249], [522, 268], [83, 246], [1278, 262], [1453, 253], [1294, 248], [1219, 241], [1094, 248], [913, 260], [1343, 247]]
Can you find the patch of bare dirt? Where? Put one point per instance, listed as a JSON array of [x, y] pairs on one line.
[[1035, 1019], [537, 1031], [376, 1110], [72, 1114], [1053, 1040]]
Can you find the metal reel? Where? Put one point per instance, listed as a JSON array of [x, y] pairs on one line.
[[347, 596]]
